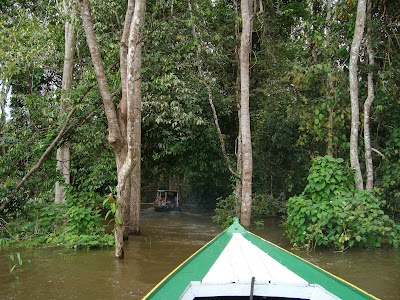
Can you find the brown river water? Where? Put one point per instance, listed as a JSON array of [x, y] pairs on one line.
[[167, 239]]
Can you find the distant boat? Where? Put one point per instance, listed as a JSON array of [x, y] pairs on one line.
[[240, 265], [166, 200]]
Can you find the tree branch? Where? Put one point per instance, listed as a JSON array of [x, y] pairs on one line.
[[42, 159], [114, 131], [378, 152]]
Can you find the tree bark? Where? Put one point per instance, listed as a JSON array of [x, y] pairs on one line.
[[122, 107], [353, 78], [134, 98], [369, 185], [238, 149], [4, 91], [63, 152], [247, 170]]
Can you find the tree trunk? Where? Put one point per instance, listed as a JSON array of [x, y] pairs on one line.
[[238, 149], [63, 153], [369, 185], [353, 78], [247, 170], [4, 91], [124, 139], [329, 82], [239, 164], [114, 132], [134, 99], [122, 107], [134, 218]]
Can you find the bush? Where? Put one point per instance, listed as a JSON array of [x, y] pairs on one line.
[[225, 211], [73, 224], [267, 205], [330, 212]]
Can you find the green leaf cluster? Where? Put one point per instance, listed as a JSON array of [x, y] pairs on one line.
[[330, 212]]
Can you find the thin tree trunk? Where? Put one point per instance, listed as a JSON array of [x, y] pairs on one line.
[[114, 133], [247, 170], [329, 82], [238, 150], [353, 78], [369, 185], [63, 153], [4, 91]]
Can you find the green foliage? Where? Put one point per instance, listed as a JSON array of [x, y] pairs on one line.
[[13, 263], [225, 211], [84, 228], [267, 205], [259, 223], [388, 181], [262, 205], [330, 212], [42, 222]]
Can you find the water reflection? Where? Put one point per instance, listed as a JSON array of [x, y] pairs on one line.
[[167, 240]]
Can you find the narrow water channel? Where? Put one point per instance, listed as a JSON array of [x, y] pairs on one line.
[[167, 239]]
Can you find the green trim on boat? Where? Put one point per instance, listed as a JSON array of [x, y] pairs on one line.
[[309, 271], [198, 265]]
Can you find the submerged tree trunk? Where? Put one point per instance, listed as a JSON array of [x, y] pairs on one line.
[[369, 185], [247, 155], [63, 153], [353, 78]]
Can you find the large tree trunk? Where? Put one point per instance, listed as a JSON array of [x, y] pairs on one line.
[[63, 153], [134, 99], [353, 78], [369, 185], [124, 136], [247, 169]]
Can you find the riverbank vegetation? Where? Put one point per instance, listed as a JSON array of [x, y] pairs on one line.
[[324, 158]]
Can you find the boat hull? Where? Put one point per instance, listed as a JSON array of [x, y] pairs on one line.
[[225, 267]]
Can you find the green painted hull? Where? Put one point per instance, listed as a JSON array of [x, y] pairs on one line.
[[198, 265]]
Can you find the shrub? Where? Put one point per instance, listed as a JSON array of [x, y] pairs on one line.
[[330, 212]]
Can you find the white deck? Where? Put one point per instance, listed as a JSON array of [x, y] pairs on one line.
[[232, 272], [241, 260]]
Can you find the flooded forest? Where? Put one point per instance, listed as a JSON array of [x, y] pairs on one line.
[[133, 132]]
